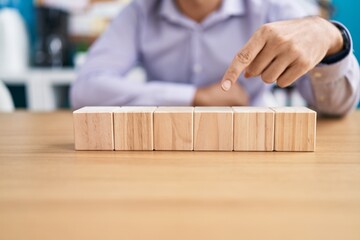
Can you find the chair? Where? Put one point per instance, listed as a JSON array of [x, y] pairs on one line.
[[6, 102]]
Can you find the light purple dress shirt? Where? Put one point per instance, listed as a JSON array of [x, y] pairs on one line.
[[180, 55]]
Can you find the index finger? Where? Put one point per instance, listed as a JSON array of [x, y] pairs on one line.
[[241, 60]]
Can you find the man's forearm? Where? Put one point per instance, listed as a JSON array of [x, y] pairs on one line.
[[112, 90]]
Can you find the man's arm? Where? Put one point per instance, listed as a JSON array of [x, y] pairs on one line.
[[283, 52], [334, 83], [101, 80]]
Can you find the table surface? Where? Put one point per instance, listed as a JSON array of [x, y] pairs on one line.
[[49, 191]]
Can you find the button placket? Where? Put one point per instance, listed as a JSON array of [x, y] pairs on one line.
[[197, 67]]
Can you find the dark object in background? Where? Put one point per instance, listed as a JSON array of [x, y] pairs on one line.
[[52, 45], [19, 95]]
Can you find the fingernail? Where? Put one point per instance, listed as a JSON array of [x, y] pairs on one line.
[[226, 85]]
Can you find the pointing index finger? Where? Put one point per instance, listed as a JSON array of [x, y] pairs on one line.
[[242, 60]]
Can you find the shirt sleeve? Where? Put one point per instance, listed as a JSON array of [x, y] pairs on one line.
[[101, 81], [331, 89]]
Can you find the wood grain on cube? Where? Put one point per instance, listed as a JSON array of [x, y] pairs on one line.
[[295, 129], [93, 128], [173, 128], [213, 129], [253, 129], [133, 128]]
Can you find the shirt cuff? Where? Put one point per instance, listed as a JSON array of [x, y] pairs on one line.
[[330, 73], [325, 78], [175, 94]]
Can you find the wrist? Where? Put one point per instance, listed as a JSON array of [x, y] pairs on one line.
[[346, 48], [337, 40]]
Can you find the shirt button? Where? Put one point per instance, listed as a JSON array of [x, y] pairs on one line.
[[197, 68], [321, 98], [317, 75]]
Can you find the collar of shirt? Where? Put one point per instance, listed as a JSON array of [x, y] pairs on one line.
[[229, 8]]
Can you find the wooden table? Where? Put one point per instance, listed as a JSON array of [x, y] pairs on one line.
[[49, 191]]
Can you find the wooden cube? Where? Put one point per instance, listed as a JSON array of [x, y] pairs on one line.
[[253, 129], [213, 129], [295, 129], [133, 128], [93, 128], [173, 128]]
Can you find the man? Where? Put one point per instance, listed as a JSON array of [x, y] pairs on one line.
[[186, 46]]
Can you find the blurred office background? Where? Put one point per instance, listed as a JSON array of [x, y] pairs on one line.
[[43, 42]]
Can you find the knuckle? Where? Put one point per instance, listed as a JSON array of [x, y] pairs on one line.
[[303, 63], [282, 40], [243, 57], [278, 39], [295, 50], [231, 73], [267, 28]]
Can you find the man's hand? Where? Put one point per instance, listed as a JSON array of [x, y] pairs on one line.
[[284, 51], [214, 96]]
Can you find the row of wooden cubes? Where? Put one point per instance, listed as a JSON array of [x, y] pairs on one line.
[[195, 128]]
